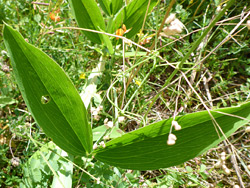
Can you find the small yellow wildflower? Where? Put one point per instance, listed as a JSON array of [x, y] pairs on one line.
[[82, 76], [140, 34], [137, 82]]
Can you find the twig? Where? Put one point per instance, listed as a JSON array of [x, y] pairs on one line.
[[235, 165], [37, 3]]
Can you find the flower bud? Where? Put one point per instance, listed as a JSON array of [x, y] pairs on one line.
[[102, 144], [121, 119], [248, 129], [106, 137], [248, 24], [223, 156], [109, 125], [227, 171], [95, 146], [177, 127], [170, 142], [97, 117], [106, 121], [172, 137]]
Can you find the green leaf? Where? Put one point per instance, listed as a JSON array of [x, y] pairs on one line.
[[99, 131], [6, 101], [116, 5], [88, 16], [65, 173], [50, 95], [37, 173], [132, 16], [111, 7], [105, 4], [146, 148]]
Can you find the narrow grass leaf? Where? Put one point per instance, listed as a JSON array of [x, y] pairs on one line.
[[146, 148], [49, 94]]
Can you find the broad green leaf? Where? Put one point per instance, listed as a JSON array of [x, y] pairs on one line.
[[50, 95], [111, 7], [88, 15], [146, 148], [132, 16]]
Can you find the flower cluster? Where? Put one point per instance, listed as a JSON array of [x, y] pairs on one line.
[[95, 112], [102, 144], [108, 124], [171, 137], [221, 163], [175, 26]]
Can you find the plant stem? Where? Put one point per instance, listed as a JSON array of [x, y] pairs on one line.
[[153, 45]]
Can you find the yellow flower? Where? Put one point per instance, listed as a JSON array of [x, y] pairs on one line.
[[140, 34], [138, 82], [82, 76]]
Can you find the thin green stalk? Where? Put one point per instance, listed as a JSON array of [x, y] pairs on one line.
[[134, 73], [144, 80], [185, 58]]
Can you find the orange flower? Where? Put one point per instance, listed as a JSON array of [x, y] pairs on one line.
[[54, 17], [124, 28], [119, 32]]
